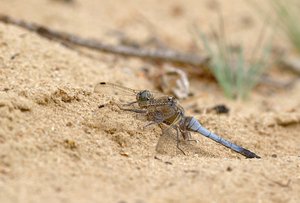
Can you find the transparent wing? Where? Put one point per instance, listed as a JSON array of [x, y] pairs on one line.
[[167, 144], [102, 85], [119, 93], [115, 92]]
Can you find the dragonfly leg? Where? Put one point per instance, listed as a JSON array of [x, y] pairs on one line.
[[134, 110], [177, 141], [120, 106], [128, 109], [193, 140], [187, 136], [155, 118], [130, 104], [151, 123]]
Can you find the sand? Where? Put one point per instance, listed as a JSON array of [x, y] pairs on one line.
[[56, 145]]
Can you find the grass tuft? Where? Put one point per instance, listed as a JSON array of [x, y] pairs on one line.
[[236, 75], [288, 14]]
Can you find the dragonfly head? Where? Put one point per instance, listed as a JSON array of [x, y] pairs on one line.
[[144, 96]]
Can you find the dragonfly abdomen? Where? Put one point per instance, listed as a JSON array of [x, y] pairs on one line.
[[194, 125]]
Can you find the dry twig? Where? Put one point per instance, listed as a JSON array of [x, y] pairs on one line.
[[161, 55], [292, 63]]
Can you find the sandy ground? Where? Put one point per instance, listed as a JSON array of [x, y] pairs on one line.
[[57, 146]]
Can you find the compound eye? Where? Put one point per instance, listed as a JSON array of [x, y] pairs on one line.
[[144, 96]]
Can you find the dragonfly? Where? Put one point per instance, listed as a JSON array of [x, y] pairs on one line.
[[164, 110]]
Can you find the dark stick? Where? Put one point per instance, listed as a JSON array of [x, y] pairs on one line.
[[162, 55]]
